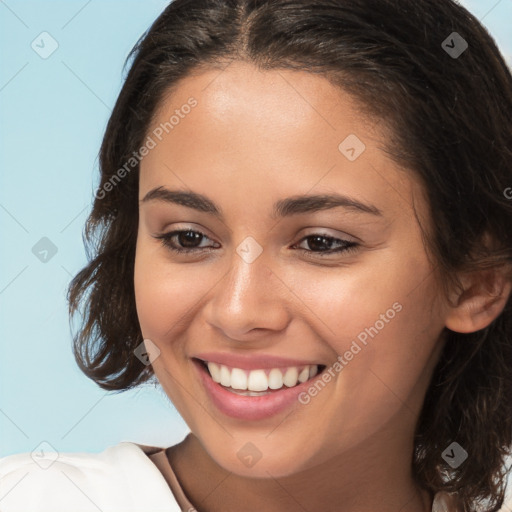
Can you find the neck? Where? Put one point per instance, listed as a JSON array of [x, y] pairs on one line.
[[365, 479]]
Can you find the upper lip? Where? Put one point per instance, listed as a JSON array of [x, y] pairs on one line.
[[252, 362]]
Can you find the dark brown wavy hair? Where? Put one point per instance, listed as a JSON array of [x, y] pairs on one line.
[[450, 120]]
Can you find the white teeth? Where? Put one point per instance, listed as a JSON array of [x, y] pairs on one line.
[[304, 375], [275, 379], [238, 379], [290, 377], [214, 371], [257, 381], [225, 376], [260, 380]]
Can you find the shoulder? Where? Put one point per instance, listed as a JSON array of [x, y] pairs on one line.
[[121, 478]]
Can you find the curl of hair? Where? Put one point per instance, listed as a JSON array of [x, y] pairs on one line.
[[449, 124]]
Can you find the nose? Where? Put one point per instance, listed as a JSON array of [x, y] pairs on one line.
[[250, 301]]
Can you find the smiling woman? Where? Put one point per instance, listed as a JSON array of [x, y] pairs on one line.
[[314, 260]]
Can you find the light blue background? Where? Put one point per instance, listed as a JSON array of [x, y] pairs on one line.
[[53, 114]]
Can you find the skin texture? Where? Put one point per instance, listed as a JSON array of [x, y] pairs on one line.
[[253, 138]]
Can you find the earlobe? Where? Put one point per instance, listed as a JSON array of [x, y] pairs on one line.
[[483, 299]]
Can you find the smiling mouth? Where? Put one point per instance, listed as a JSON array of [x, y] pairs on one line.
[[262, 381]]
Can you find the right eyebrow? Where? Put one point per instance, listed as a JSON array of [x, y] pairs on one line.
[[192, 200]]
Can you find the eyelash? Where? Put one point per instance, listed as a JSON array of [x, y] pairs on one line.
[[347, 247]]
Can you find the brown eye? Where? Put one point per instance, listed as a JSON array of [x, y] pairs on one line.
[[182, 241], [188, 239], [323, 245]]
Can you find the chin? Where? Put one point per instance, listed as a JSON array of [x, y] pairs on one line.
[[246, 459]]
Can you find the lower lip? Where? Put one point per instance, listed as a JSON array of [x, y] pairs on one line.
[[250, 407]]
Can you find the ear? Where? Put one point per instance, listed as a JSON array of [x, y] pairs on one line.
[[483, 298]]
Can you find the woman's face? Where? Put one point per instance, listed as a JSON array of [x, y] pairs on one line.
[[283, 278]]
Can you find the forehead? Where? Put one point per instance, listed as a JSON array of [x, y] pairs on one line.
[[269, 102], [279, 130]]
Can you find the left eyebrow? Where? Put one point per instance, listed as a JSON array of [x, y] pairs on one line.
[[313, 203], [294, 205]]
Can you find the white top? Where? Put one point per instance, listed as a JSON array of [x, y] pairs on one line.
[[122, 478], [126, 477]]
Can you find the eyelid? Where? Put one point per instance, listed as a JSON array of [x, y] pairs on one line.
[[170, 228], [347, 246], [337, 234], [314, 231]]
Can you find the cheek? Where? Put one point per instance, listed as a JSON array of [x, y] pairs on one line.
[[344, 302], [162, 297], [380, 322], [389, 300]]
